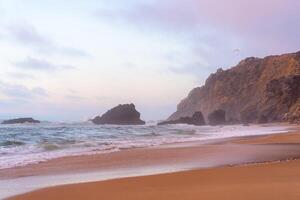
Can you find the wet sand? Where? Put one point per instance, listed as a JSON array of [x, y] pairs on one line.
[[256, 181], [290, 138], [265, 181]]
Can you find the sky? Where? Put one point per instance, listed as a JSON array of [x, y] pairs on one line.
[[73, 60]]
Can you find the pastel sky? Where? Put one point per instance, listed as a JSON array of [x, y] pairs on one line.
[[71, 60]]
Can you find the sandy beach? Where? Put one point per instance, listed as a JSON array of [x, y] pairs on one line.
[[150, 100], [260, 167], [265, 181]]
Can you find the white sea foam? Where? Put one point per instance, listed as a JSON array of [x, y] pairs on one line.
[[26, 144]]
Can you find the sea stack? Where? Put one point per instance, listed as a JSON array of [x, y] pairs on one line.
[[197, 119], [21, 121], [125, 114]]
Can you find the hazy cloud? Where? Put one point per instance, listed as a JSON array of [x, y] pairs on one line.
[[190, 14], [29, 36], [40, 64], [74, 97], [192, 68], [17, 91], [272, 26], [19, 75], [157, 14]]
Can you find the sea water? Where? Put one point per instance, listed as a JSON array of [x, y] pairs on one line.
[[33, 143]]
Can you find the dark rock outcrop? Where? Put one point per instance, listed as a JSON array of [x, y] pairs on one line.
[[197, 119], [256, 90], [121, 115], [282, 96], [217, 117], [293, 117], [262, 119], [20, 121]]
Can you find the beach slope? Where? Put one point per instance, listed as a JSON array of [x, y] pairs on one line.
[[264, 181], [269, 180]]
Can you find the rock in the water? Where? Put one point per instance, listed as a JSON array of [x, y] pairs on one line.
[[217, 117], [121, 115], [197, 119], [20, 121], [256, 87]]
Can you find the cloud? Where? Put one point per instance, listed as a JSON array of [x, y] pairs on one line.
[[19, 75], [269, 26], [192, 68], [40, 65], [29, 36], [16, 91], [74, 97], [156, 15], [38, 91], [190, 14]]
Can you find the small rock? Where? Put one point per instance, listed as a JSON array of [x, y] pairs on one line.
[[197, 119], [20, 121]]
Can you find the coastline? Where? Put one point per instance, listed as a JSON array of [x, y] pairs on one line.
[[165, 159], [266, 182]]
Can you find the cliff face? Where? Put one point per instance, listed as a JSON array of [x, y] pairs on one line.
[[256, 88]]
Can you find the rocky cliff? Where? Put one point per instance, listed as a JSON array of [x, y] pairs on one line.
[[257, 89]]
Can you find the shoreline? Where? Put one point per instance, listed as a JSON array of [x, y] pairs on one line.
[[171, 158], [171, 135], [264, 181], [13, 172], [187, 149]]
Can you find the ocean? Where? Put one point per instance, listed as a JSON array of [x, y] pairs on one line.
[[33, 143]]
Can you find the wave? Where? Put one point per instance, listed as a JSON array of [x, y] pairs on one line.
[[25, 144], [186, 132], [152, 134], [51, 147], [11, 143]]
